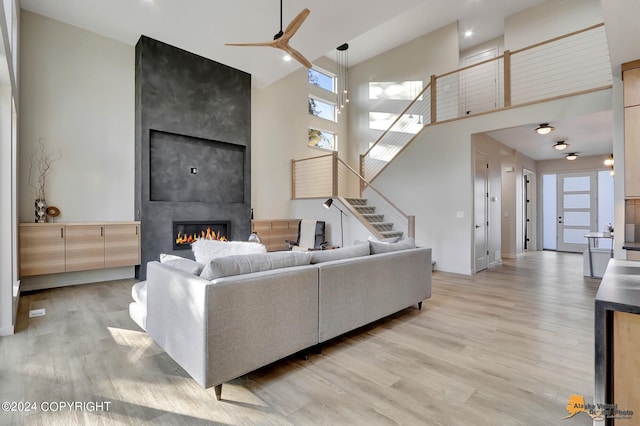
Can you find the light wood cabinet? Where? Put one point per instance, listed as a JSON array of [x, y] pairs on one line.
[[626, 363], [632, 151], [632, 87], [67, 247], [273, 233], [84, 247], [631, 78], [41, 250], [121, 245]]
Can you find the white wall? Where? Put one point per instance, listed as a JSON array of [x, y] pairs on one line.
[[548, 20], [436, 174], [77, 90], [280, 133], [9, 284], [434, 53]]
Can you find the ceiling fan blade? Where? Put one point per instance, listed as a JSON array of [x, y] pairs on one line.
[[295, 24], [297, 56], [266, 43]]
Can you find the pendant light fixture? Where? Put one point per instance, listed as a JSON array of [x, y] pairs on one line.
[[342, 57]]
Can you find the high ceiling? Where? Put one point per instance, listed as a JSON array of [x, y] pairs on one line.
[[203, 26], [369, 26]]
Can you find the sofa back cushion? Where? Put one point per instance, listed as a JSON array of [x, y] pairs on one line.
[[341, 253], [246, 264], [182, 263], [205, 250], [379, 247]]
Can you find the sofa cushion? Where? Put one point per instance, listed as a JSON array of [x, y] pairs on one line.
[[341, 253], [182, 263], [139, 293], [246, 264], [205, 250], [379, 247]]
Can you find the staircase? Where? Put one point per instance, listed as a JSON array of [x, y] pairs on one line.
[[374, 221]]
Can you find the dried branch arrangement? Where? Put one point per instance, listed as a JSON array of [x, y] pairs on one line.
[[41, 160]]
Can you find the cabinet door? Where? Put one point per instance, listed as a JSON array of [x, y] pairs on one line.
[[84, 247], [632, 151], [292, 230], [41, 250], [632, 87], [121, 245], [626, 363]]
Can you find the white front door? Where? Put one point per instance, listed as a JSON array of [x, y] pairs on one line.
[[577, 210], [481, 194]]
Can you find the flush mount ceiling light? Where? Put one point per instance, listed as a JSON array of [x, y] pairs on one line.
[[560, 145], [571, 156], [544, 129]]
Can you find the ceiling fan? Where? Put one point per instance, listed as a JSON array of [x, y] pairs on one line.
[[281, 39]]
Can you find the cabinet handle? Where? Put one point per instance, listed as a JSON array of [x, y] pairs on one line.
[[61, 232], [136, 229], [102, 231]]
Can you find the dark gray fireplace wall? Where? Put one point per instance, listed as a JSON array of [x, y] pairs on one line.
[[185, 94]]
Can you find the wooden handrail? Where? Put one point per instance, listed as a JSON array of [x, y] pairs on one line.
[[551, 40], [312, 158], [362, 179], [397, 119]]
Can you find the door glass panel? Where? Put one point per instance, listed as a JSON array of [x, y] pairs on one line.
[[575, 236], [580, 183], [577, 201], [577, 219]]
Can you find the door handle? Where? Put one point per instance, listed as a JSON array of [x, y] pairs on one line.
[[478, 226]]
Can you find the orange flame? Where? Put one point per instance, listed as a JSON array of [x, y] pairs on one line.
[[208, 235]]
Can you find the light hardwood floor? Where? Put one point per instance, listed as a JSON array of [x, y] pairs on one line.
[[507, 346]]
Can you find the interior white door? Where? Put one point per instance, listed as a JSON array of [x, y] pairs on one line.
[[481, 201], [480, 83], [577, 210]]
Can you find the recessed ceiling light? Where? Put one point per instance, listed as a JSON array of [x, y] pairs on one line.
[[287, 58], [560, 145], [468, 33], [571, 156], [544, 129]]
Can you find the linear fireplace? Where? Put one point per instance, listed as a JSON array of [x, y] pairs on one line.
[[186, 232]]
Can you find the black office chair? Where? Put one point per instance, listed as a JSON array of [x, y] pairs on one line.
[[310, 236]]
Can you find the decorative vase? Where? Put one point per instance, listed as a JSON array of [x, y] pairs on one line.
[[41, 210]]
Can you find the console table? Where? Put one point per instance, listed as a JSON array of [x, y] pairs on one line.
[[48, 248], [592, 238]]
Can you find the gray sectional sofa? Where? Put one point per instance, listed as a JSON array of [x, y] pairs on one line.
[[222, 328]]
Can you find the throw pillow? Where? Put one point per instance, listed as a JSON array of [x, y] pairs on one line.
[[384, 240], [205, 250], [246, 264], [182, 263], [341, 253], [378, 247]]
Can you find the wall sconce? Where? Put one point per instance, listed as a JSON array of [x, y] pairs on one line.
[[544, 129], [571, 156], [560, 145]]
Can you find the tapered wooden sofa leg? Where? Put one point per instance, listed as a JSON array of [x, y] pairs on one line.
[[218, 392], [419, 306]]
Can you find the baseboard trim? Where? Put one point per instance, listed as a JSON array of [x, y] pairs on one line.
[[7, 331]]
